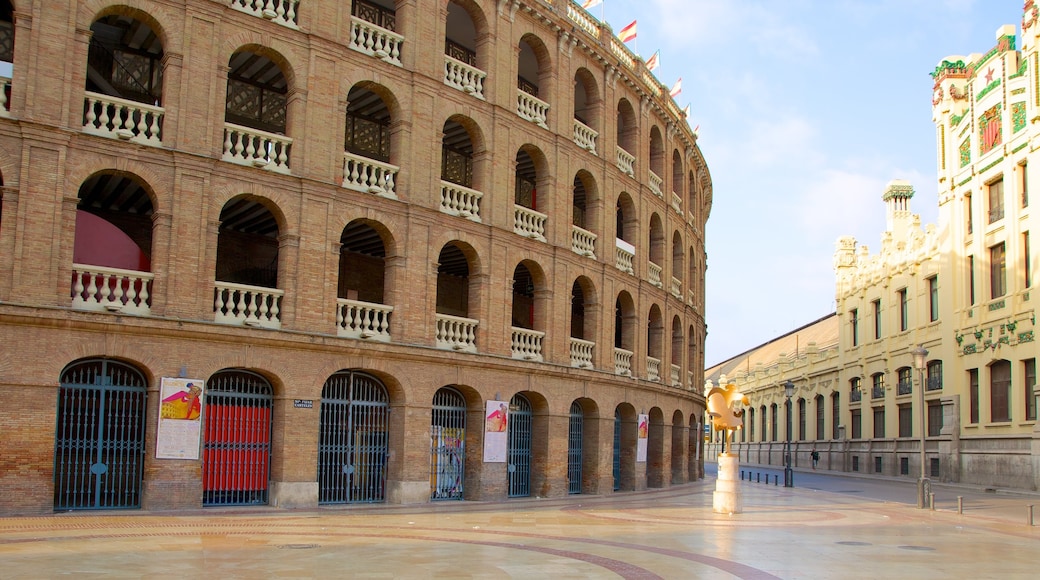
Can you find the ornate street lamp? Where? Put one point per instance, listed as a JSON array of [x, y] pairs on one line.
[[923, 484], [788, 472]]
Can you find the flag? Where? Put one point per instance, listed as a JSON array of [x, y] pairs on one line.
[[686, 112], [590, 3], [627, 33], [676, 89], [654, 61]]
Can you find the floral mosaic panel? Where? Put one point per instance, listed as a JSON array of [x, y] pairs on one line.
[[1018, 117], [991, 132], [965, 151]]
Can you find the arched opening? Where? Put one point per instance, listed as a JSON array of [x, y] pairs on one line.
[[654, 340], [626, 227], [583, 239], [367, 146], [256, 112], [675, 378], [655, 451], [353, 439], [677, 265], [692, 361], [526, 185], [624, 333], [587, 114], [519, 446], [360, 310], [656, 177], [527, 316], [656, 253], [457, 154], [236, 455], [530, 175], [247, 264], [627, 129], [533, 68], [679, 438], [448, 444], [582, 327], [455, 292], [677, 180], [575, 441], [462, 55], [626, 436]]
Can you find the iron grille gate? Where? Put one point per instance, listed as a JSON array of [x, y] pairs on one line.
[[617, 450], [519, 453], [352, 439], [99, 436], [574, 441], [236, 457], [448, 441]]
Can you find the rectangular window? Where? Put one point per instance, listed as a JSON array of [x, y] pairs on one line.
[[854, 322], [801, 419], [971, 280], [1029, 373], [878, 387], [1027, 264], [1000, 391], [934, 382], [821, 427], [933, 298], [879, 422], [995, 195], [905, 385], [906, 425], [877, 464], [877, 318], [763, 421], [857, 424], [855, 463], [1024, 185], [969, 220], [997, 271], [935, 418], [904, 466], [903, 313], [774, 422], [835, 414], [973, 396]]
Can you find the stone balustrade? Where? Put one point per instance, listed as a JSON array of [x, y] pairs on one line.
[[676, 376], [356, 319], [625, 255], [677, 203], [244, 305], [529, 223], [656, 184], [581, 353], [626, 162], [531, 108], [653, 369], [376, 41], [527, 344], [585, 136], [247, 146], [460, 201], [369, 176], [583, 242], [281, 11], [100, 288], [582, 19], [653, 274], [464, 77], [622, 362], [5, 87], [676, 288], [456, 333], [122, 119]]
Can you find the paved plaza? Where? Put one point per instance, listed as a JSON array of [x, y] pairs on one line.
[[827, 526]]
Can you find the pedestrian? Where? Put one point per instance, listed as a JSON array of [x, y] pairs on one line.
[[815, 457]]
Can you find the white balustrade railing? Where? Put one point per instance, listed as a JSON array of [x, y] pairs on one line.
[[656, 184], [652, 83], [581, 353], [246, 146], [123, 119], [369, 176], [460, 201], [281, 11], [531, 108], [625, 255], [464, 77], [689, 379], [653, 369], [622, 362], [582, 19], [585, 136], [376, 41], [677, 203], [102, 288], [529, 223], [691, 298], [653, 274], [620, 51], [456, 333], [356, 319], [247, 305], [676, 373], [527, 344], [5, 107], [676, 288], [626, 162], [583, 242]]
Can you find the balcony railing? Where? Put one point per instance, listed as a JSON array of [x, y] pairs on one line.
[[246, 146], [677, 203], [460, 201], [653, 274], [904, 387], [100, 288], [531, 108], [622, 362], [456, 333], [653, 369], [934, 384], [691, 297], [464, 77], [122, 119], [582, 19], [5, 107], [583, 242], [529, 223], [877, 392], [625, 254], [585, 137], [356, 319], [855, 395], [676, 373], [656, 184], [376, 41], [247, 305], [581, 353], [281, 11], [527, 344], [626, 162], [369, 176], [676, 288]]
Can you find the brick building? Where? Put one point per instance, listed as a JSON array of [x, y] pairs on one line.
[[361, 226]]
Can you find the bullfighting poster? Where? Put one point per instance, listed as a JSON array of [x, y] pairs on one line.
[[496, 438], [180, 418], [644, 433]]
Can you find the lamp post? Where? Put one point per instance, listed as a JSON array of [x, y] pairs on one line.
[[923, 484], [788, 472]]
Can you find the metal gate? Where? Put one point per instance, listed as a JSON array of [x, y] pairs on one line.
[[99, 436], [574, 442], [448, 444], [236, 457], [352, 439], [617, 449], [519, 428]]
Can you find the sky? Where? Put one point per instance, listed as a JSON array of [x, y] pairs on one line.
[[806, 110]]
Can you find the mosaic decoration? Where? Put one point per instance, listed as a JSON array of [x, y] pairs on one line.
[[991, 132], [987, 90], [965, 151], [1018, 117]]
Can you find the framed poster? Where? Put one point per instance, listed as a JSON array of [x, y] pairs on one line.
[[180, 418], [496, 433], [644, 433]]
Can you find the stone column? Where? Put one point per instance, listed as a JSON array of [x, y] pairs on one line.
[[726, 499]]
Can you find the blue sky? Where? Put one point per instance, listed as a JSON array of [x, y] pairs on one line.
[[807, 108]]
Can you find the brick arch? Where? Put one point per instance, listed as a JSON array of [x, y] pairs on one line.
[[151, 13]]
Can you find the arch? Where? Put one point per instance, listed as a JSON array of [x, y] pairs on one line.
[[656, 241], [626, 437], [534, 66], [678, 447], [583, 296], [677, 258], [529, 285], [677, 174], [696, 439], [655, 449], [236, 455], [353, 441], [362, 261], [624, 322], [626, 222], [692, 361], [588, 102], [585, 202], [676, 350], [258, 85], [371, 109], [448, 444], [461, 143], [627, 127], [657, 152], [465, 26], [248, 242], [124, 201], [125, 56], [531, 173], [519, 432], [692, 194], [654, 339]]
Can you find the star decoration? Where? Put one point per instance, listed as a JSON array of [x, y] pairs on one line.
[[989, 75]]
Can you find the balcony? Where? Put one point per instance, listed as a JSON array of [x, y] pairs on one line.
[[585, 137], [531, 108], [581, 353], [904, 387], [656, 184], [855, 396], [456, 333], [368, 175], [653, 369], [280, 11], [676, 288], [375, 41], [626, 162], [675, 376], [934, 384], [677, 203], [122, 119], [466, 78], [625, 254], [246, 146], [103, 289], [460, 201], [243, 305], [653, 274], [5, 88], [877, 392], [691, 297], [583, 242], [527, 344], [356, 319], [622, 362], [529, 223]]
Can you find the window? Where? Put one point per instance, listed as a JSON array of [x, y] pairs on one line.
[[1000, 391], [879, 422], [855, 463], [877, 318], [775, 414], [1024, 184], [854, 321], [997, 271], [855, 394], [995, 195], [971, 280], [856, 423], [877, 464], [878, 386], [973, 396], [933, 298], [1027, 265], [820, 411], [934, 376], [935, 418], [969, 218], [801, 419], [906, 425], [751, 425], [905, 386], [903, 314], [835, 414], [1029, 372], [904, 466], [762, 420]]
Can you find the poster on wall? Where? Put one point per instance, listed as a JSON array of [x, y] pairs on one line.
[[180, 418], [496, 438], [644, 432]]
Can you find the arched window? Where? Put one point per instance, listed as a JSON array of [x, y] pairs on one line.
[[360, 309], [256, 113], [247, 264]]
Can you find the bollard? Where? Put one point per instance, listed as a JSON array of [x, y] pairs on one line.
[[776, 478], [960, 504], [1029, 515], [758, 478], [931, 501], [741, 475]]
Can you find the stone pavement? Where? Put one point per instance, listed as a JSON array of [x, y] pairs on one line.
[[800, 532]]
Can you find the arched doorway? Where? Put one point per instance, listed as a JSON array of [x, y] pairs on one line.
[[574, 445], [617, 449], [519, 453], [448, 444], [353, 439], [236, 457]]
